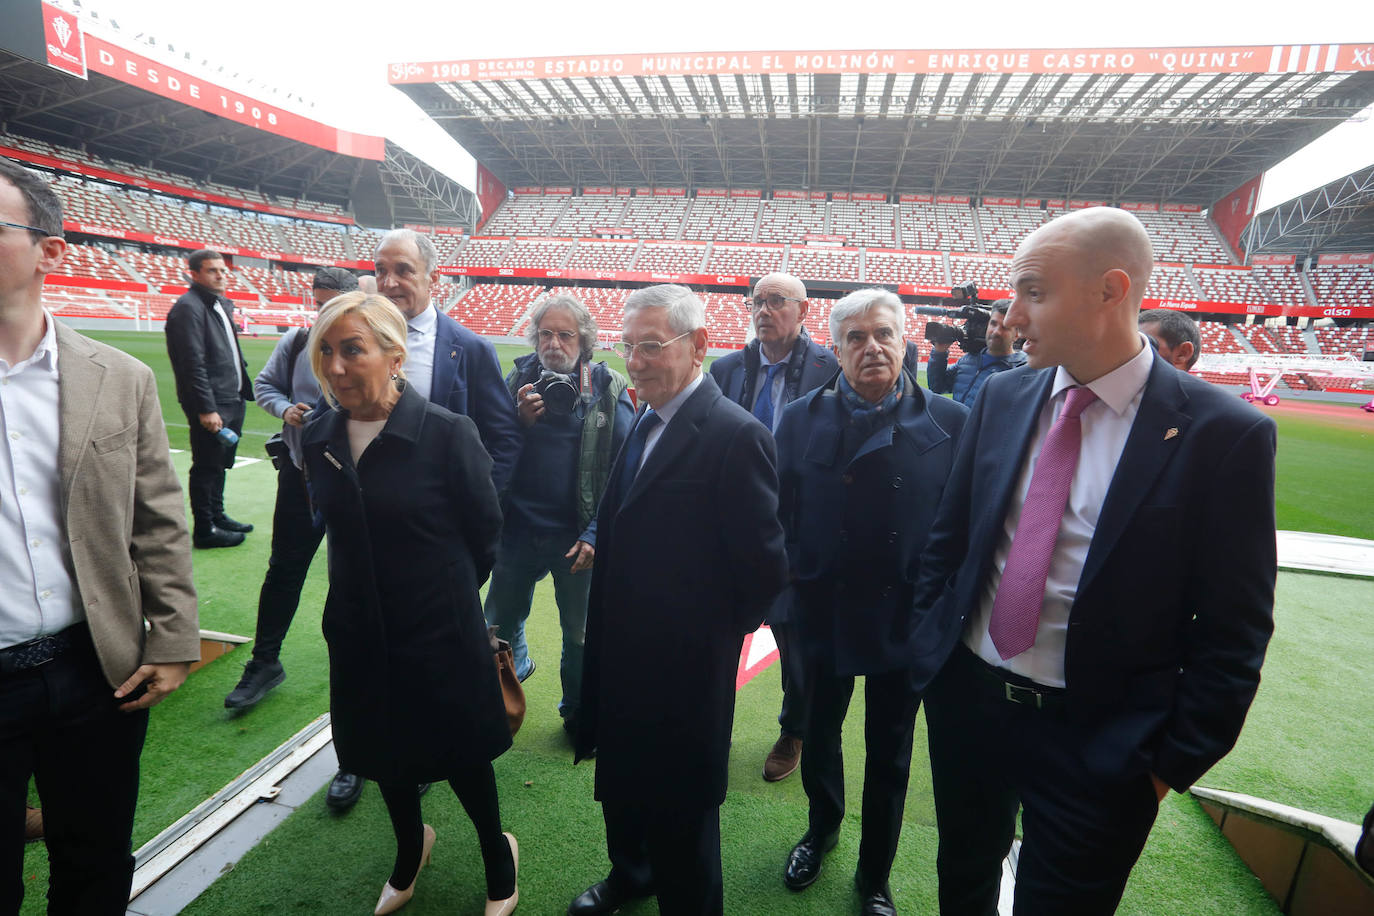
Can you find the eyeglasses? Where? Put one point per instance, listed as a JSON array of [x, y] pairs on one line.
[[649, 349], [546, 336], [43, 232], [773, 303]]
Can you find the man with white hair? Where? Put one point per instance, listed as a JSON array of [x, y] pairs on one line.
[[674, 592], [779, 365], [1098, 586], [571, 438], [862, 462]]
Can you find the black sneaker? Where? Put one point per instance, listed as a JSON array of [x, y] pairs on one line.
[[212, 537], [228, 524], [258, 678]]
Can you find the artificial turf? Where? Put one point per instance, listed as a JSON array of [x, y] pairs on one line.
[[1308, 730]]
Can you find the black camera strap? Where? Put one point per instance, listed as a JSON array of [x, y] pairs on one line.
[[586, 375]]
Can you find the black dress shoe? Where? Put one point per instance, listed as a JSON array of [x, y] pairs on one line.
[[804, 862], [214, 536], [258, 678], [228, 524], [877, 901], [601, 897], [344, 790]]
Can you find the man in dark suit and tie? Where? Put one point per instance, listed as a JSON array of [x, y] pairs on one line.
[[450, 366], [212, 386], [779, 365], [674, 591], [1099, 585]]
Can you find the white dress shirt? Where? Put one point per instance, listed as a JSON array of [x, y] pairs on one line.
[[233, 343], [1106, 423], [38, 593], [666, 415], [420, 335]]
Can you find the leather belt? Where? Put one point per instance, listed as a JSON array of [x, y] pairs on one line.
[[1014, 688], [36, 652]]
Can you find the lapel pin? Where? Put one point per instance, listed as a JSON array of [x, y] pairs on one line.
[[1170, 433], [452, 354]]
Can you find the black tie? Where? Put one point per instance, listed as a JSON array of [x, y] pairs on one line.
[[634, 450]]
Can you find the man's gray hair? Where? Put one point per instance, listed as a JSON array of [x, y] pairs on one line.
[[586, 324], [422, 244], [859, 302], [686, 312]]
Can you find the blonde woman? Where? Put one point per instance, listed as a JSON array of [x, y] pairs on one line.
[[412, 517]]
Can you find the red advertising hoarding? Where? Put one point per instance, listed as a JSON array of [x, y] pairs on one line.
[[1281, 260], [1339, 259], [1234, 211], [65, 43], [1213, 59], [491, 193]]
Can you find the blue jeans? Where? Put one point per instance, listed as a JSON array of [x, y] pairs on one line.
[[523, 559]]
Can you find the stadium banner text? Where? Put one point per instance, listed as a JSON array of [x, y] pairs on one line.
[[126, 66], [1218, 59], [91, 171]]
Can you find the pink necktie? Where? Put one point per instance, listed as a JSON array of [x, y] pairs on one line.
[[1016, 609]]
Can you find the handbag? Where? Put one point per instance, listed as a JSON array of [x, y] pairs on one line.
[[512, 693]]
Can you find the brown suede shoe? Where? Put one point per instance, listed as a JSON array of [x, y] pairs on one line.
[[33, 824], [783, 758]]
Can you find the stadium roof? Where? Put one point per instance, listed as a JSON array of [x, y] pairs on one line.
[[114, 102], [1337, 217], [1185, 125]]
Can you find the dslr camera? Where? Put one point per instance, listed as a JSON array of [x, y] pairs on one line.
[[559, 391]]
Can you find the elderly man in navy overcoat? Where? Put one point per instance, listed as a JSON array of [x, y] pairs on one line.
[[862, 463]]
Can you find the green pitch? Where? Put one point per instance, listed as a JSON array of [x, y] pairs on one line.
[[1306, 735]]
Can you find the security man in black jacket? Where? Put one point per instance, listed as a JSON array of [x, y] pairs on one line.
[[212, 386]]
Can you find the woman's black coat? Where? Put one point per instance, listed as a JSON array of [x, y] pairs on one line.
[[413, 693]]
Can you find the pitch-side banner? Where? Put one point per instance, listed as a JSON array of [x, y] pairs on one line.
[[1214, 59], [122, 64]]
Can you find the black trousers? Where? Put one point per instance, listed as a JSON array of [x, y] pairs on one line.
[[1082, 830], [210, 458], [60, 723], [792, 717], [672, 852], [890, 706], [295, 539]]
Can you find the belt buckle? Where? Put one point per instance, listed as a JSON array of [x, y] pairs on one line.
[[1025, 696], [43, 645]]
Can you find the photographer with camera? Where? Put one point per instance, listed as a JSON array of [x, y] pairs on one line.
[[574, 416], [986, 354], [286, 388]]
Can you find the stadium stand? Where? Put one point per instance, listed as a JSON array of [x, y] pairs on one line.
[[1004, 227], [315, 240], [494, 308], [525, 215], [246, 231], [93, 263], [923, 268], [744, 260], [482, 252], [167, 216], [1228, 284], [992, 272], [1217, 338], [1259, 337], [365, 242], [732, 220], [863, 222], [602, 254], [89, 202], [957, 229], [1170, 281], [1341, 341], [654, 217], [676, 257], [1281, 283], [587, 213], [919, 227], [1343, 285], [1185, 237], [727, 319], [817, 263], [1288, 339], [537, 253], [788, 220]]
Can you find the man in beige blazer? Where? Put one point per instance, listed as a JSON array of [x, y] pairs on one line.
[[97, 609]]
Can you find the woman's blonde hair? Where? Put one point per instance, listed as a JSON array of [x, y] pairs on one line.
[[379, 313]]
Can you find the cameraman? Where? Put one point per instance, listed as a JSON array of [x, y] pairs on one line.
[[570, 441], [969, 373], [286, 388]]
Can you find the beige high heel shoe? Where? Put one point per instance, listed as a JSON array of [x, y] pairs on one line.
[[503, 907], [392, 899]]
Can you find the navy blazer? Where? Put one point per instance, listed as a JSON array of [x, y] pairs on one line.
[[468, 381], [673, 594], [855, 528], [1174, 607], [809, 367]]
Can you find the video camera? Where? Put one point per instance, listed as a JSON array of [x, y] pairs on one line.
[[972, 337]]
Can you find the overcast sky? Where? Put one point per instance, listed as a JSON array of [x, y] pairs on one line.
[[336, 55]]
